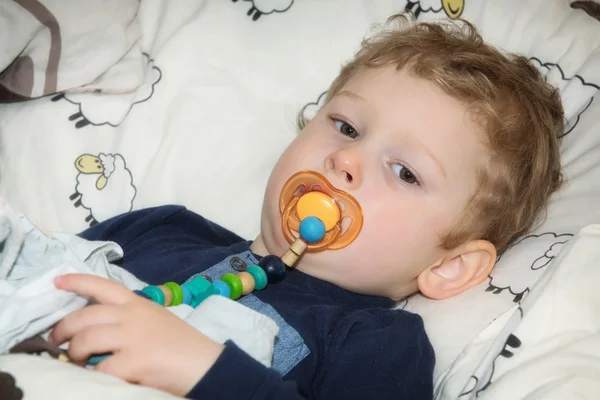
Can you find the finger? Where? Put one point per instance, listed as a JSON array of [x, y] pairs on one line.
[[95, 340], [103, 290], [82, 319], [120, 365]]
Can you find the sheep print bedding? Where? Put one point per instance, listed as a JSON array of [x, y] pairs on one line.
[[221, 83]]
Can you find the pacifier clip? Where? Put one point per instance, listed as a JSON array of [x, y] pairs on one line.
[[315, 216]]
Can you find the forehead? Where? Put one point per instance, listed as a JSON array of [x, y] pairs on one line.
[[388, 88]]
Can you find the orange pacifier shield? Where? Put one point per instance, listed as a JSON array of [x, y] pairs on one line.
[[308, 196]]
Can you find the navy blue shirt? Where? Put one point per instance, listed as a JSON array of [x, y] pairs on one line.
[[354, 346]]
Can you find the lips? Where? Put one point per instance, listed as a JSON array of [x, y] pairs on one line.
[[350, 211]]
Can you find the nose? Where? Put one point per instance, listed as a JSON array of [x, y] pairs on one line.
[[344, 165]]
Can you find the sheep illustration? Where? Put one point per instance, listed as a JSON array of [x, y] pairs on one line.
[[9, 388], [452, 8], [401, 305], [110, 109], [591, 8], [510, 273], [576, 94], [310, 110], [104, 186], [266, 7]]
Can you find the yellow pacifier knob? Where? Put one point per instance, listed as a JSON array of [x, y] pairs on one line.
[[320, 205]]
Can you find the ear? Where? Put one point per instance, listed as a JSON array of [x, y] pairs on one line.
[[101, 182], [465, 267]]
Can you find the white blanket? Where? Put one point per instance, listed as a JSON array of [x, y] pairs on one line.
[[30, 303]]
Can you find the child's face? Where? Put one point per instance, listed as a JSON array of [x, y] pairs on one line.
[[408, 153]]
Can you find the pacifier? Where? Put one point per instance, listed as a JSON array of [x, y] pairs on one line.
[[316, 216]]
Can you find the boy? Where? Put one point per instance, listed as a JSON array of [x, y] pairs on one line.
[[451, 150]]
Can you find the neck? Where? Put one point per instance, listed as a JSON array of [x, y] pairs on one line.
[[258, 246], [306, 265]]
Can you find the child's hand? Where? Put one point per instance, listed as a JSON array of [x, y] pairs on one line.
[[150, 345]]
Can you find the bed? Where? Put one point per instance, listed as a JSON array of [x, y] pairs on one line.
[[191, 101]]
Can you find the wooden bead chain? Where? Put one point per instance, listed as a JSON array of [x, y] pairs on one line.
[[271, 269]]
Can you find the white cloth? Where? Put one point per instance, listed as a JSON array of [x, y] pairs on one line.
[[30, 303], [222, 319]]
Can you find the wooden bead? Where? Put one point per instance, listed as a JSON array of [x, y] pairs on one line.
[[247, 282], [168, 295], [299, 246], [290, 258]]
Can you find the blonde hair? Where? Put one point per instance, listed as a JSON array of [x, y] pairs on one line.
[[521, 115]]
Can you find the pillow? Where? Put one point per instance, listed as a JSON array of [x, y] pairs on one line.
[[220, 107], [52, 46], [525, 353]]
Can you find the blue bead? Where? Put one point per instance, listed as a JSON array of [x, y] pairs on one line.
[[223, 288], [187, 295], [312, 229], [95, 360], [155, 294], [273, 267], [141, 294]]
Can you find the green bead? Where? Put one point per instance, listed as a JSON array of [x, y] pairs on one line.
[[234, 283], [155, 294], [177, 292], [259, 275]]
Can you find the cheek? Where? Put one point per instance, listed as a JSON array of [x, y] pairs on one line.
[[307, 152], [301, 153], [292, 160], [402, 229]]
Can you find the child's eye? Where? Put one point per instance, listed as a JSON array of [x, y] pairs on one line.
[[405, 174], [346, 129]]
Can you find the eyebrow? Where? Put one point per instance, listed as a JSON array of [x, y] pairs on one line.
[[350, 94]]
